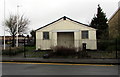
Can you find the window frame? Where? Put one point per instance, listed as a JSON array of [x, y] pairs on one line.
[[45, 37], [84, 36]]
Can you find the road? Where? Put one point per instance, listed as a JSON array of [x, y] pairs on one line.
[[57, 69]]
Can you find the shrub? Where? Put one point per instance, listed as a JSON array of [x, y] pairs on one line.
[[105, 44], [64, 51], [68, 52], [118, 44], [12, 51], [83, 54], [111, 48]]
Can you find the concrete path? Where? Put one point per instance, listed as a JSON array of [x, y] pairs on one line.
[[53, 60]]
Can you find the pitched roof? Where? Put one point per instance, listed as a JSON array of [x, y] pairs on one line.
[[114, 14], [64, 18]]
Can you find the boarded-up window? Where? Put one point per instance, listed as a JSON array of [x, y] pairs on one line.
[[84, 34], [45, 35]]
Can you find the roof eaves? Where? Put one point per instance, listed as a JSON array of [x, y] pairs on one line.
[[80, 23], [77, 21], [49, 24]]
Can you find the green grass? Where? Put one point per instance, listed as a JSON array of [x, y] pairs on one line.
[[38, 54], [29, 48]]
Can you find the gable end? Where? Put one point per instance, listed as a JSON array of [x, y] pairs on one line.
[[64, 18]]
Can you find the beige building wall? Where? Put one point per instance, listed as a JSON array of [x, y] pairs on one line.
[[114, 25], [65, 26]]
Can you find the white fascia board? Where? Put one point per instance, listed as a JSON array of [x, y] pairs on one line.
[[65, 30]]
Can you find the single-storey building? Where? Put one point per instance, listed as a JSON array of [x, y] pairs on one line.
[[66, 32]]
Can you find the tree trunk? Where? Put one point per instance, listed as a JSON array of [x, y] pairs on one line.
[[34, 40], [13, 41]]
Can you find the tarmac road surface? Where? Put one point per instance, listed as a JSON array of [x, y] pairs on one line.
[[17, 68]]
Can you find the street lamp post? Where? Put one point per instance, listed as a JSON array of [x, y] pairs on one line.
[[17, 25], [4, 24]]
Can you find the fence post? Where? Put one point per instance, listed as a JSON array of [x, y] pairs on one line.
[[24, 48], [10, 45], [116, 48], [8, 42]]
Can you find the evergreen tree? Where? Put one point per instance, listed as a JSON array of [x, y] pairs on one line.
[[99, 22]]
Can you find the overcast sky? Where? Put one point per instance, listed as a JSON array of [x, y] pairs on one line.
[[42, 12]]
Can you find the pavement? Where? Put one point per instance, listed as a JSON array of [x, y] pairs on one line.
[[61, 60]]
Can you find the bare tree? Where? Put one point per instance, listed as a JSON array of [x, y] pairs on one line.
[[11, 24]]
